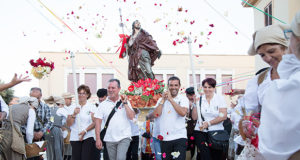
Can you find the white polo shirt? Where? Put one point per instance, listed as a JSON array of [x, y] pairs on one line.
[[119, 126], [85, 121], [172, 125], [135, 131], [211, 111], [156, 127]]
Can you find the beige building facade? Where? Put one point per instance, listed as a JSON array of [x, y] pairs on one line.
[[91, 71], [284, 10]]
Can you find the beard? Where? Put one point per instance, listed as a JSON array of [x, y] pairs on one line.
[[137, 27]]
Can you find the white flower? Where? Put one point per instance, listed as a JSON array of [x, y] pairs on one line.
[[175, 154], [47, 70]]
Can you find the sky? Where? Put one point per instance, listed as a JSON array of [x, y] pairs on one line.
[[30, 26]]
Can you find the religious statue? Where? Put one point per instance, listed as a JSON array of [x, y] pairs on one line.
[[142, 51]]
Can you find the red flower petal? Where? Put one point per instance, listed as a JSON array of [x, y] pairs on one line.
[[155, 4], [192, 138], [211, 25], [186, 11], [72, 12], [200, 45], [209, 33], [236, 32]]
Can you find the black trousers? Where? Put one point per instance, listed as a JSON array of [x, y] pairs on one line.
[[206, 153], [133, 149], [191, 144], [147, 156], [177, 145], [86, 149]]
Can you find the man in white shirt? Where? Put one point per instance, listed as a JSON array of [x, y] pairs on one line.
[[118, 133], [171, 109], [102, 95]]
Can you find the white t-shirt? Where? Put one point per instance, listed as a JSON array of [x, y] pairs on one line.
[[64, 112], [134, 126], [211, 111], [4, 107], [85, 121], [156, 127], [119, 126], [279, 130], [254, 93], [30, 125], [172, 125]]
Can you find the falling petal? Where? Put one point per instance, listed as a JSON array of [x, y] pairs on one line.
[[236, 32], [200, 45], [209, 33], [211, 25], [179, 9]]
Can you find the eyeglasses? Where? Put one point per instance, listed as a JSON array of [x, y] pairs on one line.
[[287, 33], [82, 94]]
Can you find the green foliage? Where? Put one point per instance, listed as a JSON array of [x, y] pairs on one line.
[[7, 94]]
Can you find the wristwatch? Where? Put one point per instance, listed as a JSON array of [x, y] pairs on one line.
[[125, 103]]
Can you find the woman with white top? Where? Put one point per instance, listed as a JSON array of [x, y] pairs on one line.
[[268, 42], [12, 145], [214, 112], [279, 130], [82, 127]]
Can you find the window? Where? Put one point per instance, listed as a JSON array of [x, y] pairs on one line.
[[210, 76], [226, 83], [198, 80], [90, 79], [169, 76], [70, 85], [159, 77], [105, 78], [268, 19]]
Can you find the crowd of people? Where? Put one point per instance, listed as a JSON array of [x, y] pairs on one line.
[[179, 126]]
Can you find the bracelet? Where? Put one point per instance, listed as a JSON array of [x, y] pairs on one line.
[[125, 103], [161, 102], [85, 130], [208, 124], [73, 116]]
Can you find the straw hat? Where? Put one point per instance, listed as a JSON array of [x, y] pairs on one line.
[[269, 34], [54, 99], [67, 95]]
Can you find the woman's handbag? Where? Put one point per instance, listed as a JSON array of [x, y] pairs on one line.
[[67, 139], [218, 139], [33, 150]]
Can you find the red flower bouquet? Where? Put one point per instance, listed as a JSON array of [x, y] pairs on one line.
[[40, 67], [144, 93]]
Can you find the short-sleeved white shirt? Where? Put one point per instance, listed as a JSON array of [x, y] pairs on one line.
[[211, 111], [4, 107], [85, 121], [135, 131], [119, 126], [156, 127], [172, 125], [254, 92]]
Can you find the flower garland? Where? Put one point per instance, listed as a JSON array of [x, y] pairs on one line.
[[41, 68]]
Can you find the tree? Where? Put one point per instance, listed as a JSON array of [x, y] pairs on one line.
[[7, 94]]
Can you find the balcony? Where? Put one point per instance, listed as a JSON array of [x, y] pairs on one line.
[[252, 2]]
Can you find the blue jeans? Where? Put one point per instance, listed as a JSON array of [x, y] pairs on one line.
[[156, 143]]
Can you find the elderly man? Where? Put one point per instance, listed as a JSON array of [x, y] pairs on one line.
[[118, 131], [43, 123]]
